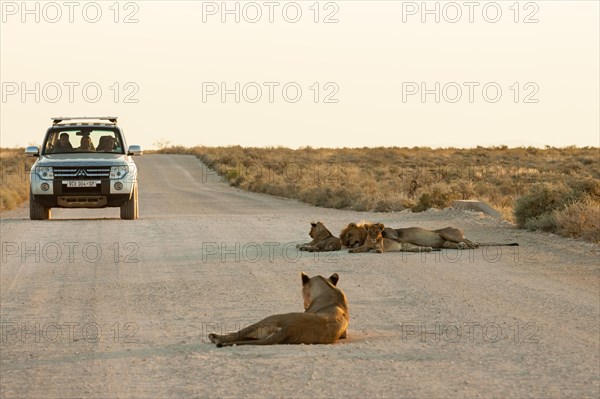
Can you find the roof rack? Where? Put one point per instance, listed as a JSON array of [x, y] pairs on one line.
[[59, 119]]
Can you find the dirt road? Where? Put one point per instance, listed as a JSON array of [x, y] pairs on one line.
[[93, 306]]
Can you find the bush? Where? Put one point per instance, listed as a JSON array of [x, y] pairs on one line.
[[566, 208], [14, 184], [435, 199], [543, 222], [583, 188], [533, 211], [8, 199], [580, 220], [423, 204]]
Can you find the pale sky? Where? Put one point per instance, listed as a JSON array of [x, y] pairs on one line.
[[516, 75]]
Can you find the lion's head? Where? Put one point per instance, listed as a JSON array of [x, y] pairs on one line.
[[374, 232], [319, 286], [318, 230], [354, 235]]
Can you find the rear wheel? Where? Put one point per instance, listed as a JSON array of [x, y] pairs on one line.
[[129, 210], [37, 211]]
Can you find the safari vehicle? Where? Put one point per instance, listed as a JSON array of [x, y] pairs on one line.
[[84, 162]]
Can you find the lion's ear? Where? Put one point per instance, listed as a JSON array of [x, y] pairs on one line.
[[380, 226], [334, 278], [305, 279], [313, 224], [352, 225]]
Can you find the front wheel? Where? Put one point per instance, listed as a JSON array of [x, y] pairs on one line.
[[37, 211], [129, 210]]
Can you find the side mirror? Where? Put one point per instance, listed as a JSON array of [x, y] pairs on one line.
[[32, 151], [134, 150]]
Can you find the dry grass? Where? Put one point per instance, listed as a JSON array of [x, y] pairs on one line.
[[14, 186], [545, 182]]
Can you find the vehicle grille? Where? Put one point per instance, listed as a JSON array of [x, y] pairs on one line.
[[81, 173]]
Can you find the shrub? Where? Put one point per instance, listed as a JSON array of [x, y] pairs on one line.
[[423, 203], [582, 188], [580, 220], [544, 222], [14, 183], [560, 207], [8, 199], [533, 211], [341, 199]]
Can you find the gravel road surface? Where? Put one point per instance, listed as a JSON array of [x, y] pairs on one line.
[[94, 306]]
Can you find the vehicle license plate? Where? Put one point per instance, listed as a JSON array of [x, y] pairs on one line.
[[82, 183]]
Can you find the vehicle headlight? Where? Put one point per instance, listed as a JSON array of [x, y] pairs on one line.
[[45, 172], [117, 172]]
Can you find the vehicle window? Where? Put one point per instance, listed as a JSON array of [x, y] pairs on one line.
[[62, 141]]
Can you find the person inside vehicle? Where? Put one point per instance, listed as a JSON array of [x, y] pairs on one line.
[[106, 144], [63, 144], [86, 144]]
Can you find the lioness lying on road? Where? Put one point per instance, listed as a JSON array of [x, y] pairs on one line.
[[324, 322], [354, 235], [323, 240], [375, 241]]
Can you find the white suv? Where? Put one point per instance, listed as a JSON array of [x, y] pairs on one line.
[[83, 163]]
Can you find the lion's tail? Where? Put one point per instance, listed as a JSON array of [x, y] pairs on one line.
[[496, 244]]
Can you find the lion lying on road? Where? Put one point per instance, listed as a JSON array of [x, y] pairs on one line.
[[448, 237], [324, 321], [354, 235], [375, 241], [323, 240]]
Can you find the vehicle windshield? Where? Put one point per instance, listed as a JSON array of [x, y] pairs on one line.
[[81, 139]]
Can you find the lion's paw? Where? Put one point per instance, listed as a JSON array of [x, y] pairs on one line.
[[214, 338]]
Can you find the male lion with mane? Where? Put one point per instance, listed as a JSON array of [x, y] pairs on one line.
[[354, 235], [324, 321], [375, 241]]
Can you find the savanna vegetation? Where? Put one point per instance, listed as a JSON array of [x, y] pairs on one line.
[[552, 189], [14, 186]]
